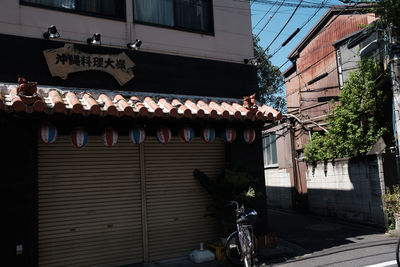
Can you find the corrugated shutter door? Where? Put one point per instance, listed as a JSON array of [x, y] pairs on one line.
[[89, 204], [176, 202]]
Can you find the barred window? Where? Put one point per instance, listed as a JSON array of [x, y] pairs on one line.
[[106, 8], [269, 150], [192, 15]]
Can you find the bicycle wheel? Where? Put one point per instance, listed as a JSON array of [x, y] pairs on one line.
[[233, 251], [397, 252], [249, 248]]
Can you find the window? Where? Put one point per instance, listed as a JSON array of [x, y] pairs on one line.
[[105, 8], [191, 15], [269, 150]]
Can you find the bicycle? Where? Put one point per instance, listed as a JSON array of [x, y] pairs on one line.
[[241, 245]]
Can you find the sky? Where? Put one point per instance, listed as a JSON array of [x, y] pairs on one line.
[[278, 20]]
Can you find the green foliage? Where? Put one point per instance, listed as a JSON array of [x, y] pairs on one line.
[[388, 12], [230, 185], [391, 199], [391, 206], [359, 120], [269, 79]]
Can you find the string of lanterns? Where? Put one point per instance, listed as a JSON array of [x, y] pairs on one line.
[[79, 137]]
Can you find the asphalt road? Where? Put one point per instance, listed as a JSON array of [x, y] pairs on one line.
[[317, 241]]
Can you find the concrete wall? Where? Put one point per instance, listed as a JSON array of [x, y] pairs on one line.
[[232, 40], [350, 189], [278, 188]]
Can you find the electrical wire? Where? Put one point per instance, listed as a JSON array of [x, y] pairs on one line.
[[266, 13], [284, 26], [306, 4], [268, 21], [323, 29], [303, 25]]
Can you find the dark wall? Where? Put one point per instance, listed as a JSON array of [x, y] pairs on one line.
[[18, 196], [250, 156], [153, 72]]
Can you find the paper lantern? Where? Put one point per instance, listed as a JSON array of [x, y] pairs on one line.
[[79, 138], [208, 135], [137, 135], [229, 134], [187, 134], [47, 134], [109, 137], [249, 135], [163, 135]]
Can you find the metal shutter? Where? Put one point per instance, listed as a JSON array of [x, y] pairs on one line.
[[89, 204], [176, 202]]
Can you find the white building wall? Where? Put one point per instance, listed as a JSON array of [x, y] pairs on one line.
[[278, 189], [232, 40], [350, 189]]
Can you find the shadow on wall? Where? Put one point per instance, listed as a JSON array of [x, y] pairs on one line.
[[349, 189]]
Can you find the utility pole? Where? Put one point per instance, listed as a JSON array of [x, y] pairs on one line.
[[394, 63]]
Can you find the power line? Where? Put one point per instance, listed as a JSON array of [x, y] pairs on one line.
[[286, 3], [302, 26], [284, 26], [325, 27], [270, 18], [264, 15]]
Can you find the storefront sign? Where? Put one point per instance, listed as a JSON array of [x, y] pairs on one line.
[[65, 60]]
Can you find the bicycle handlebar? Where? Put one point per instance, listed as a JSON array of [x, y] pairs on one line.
[[234, 202]]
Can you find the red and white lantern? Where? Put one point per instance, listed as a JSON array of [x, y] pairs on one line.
[[109, 137], [186, 134], [79, 138], [47, 134], [137, 135], [229, 134], [163, 135], [249, 135], [208, 135]]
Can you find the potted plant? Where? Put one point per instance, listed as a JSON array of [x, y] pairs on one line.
[[231, 184], [391, 205]]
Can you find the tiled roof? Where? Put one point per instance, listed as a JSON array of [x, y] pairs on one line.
[[127, 103]]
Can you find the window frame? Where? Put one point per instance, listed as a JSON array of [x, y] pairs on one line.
[[210, 33], [79, 12], [272, 165]]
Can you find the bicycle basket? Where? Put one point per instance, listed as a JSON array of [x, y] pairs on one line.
[[249, 216]]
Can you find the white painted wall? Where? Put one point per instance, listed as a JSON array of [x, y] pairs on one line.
[[348, 188], [278, 189], [232, 23]]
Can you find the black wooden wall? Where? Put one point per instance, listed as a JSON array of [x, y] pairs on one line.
[[153, 72]]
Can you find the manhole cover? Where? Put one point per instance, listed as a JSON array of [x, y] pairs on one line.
[[323, 227]]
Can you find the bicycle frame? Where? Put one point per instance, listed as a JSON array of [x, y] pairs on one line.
[[244, 234]]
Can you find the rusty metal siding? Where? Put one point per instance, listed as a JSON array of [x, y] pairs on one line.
[[316, 58]]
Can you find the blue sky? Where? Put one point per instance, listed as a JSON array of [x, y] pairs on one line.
[[258, 10]]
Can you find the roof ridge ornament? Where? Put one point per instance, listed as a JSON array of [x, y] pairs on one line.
[[27, 91], [250, 103]]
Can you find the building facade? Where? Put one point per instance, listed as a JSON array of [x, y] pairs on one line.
[[107, 107], [321, 62]]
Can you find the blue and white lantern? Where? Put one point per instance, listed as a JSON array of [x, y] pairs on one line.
[[79, 138], [229, 134], [47, 134], [208, 135], [163, 135], [249, 135], [109, 137], [137, 135], [186, 134]]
